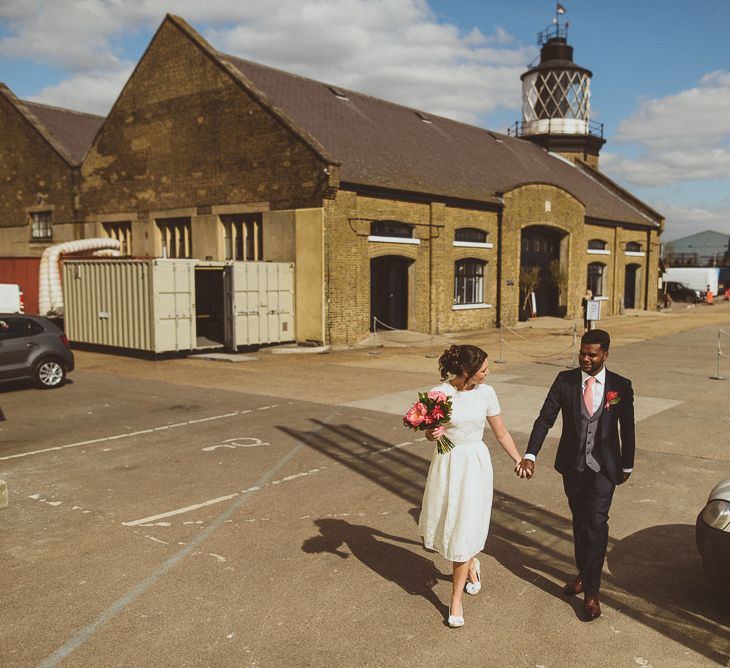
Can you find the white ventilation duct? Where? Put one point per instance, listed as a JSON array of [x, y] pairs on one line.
[[50, 295]]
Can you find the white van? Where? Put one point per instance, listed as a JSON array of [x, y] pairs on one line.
[[11, 298]]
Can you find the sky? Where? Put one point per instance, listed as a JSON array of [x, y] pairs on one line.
[[661, 69]]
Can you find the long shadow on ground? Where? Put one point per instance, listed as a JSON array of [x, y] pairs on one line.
[[655, 575]]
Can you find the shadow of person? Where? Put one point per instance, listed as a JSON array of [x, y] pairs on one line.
[[656, 576], [415, 574]]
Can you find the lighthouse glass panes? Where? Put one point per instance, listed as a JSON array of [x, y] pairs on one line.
[[556, 101]]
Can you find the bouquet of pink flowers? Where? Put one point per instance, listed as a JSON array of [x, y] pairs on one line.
[[430, 411]]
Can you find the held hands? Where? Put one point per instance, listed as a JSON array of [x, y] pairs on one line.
[[525, 469], [434, 434]]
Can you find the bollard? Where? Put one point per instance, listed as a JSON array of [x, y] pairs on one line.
[[3, 494], [718, 375]]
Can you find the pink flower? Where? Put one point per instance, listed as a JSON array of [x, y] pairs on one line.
[[416, 414], [436, 413], [437, 395]]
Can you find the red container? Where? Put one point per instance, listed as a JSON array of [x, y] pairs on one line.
[[22, 271]]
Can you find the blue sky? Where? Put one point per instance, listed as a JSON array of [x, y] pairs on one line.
[[661, 69]]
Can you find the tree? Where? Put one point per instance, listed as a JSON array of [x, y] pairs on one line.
[[529, 278], [559, 277]]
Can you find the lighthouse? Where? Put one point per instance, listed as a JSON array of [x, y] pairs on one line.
[[556, 100]]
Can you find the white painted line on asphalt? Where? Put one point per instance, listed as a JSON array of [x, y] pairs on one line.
[[220, 499], [152, 430], [180, 511], [88, 632]]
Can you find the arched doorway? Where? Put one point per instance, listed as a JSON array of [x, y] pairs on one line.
[[632, 277], [389, 291], [541, 251]]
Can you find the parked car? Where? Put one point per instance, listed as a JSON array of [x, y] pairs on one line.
[[679, 292], [712, 533], [11, 298], [33, 347]]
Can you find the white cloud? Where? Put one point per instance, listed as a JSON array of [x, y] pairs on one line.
[[681, 221], [395, 49], [93, 92], [680, 137]]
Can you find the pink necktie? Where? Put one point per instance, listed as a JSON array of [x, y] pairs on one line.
[[588, 394]]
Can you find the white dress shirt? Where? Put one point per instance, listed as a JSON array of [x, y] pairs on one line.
[[599, 388]]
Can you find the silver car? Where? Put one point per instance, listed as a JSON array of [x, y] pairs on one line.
[[33, 347], [712, 533]]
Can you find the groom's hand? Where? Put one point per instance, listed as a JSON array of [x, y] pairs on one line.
[[525, 469]]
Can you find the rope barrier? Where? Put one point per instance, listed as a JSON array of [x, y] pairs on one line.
[[376, 321]]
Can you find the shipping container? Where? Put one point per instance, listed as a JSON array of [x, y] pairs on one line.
[[22, 271], [172, 305]]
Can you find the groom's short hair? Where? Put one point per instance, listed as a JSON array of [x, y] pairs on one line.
[[599, 336]]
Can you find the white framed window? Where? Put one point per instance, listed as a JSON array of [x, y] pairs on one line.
[[175, 237], [598, 247], [595, 278], [41, 225], [471, 237], [633, 249], [469, 281]]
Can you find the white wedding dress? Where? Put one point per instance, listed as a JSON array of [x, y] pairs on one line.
[[457, 500]]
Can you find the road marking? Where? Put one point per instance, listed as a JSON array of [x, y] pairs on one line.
[[141, 432], [86, 633], [237, 443], [220, 499]]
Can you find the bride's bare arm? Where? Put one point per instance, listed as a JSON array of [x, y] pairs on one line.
[[504, 438]]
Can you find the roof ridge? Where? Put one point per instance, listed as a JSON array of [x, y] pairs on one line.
[[37, 125], [64, 109]]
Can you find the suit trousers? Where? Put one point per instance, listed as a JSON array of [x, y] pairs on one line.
[[589, 497]]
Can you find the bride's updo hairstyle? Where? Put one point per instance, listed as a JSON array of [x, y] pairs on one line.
[[461, 359]]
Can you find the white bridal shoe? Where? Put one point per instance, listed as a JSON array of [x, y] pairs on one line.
[[455, 621], [474, 588]]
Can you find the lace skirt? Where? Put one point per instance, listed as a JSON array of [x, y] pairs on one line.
[[457, 501]]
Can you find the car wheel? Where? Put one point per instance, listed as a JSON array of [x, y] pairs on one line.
[[49, 373]]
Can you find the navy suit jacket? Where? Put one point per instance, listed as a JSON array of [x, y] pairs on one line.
[[616, 424]]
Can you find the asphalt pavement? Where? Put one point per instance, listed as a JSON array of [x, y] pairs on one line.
[[194, 512]]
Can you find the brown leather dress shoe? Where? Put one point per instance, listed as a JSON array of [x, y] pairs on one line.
[[573, 588], [591, 608]]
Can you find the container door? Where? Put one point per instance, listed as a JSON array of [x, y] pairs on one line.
[[262, 300], [174, 296]]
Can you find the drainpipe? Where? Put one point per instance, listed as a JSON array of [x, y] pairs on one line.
[[647, 271], [499, 267]]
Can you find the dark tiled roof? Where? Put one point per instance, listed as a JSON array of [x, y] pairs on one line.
[[73, 130], [382, 144]]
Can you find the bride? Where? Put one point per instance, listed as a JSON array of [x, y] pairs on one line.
[[457, 501]]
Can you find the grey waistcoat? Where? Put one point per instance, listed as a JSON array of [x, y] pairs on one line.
[[588, 432]]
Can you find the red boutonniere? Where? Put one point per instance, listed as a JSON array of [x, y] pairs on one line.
[[612, 398]]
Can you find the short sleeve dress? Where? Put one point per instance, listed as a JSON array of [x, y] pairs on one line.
[[457, 500]]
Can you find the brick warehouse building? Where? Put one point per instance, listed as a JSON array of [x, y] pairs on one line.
[[387, 212]]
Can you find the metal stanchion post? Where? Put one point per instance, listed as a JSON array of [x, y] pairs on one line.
[[575, 336], [718, 375], [500, 360]]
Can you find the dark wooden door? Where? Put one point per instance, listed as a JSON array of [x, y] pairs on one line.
[[389, 291], [539, 248], [630, 286]]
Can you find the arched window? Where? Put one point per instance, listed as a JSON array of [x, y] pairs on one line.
[[633, 247], [595, 278], [391, 228], [469, 281], [470, 235], [597, 244]]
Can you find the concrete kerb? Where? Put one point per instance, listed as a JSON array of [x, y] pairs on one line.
[[3, 494]]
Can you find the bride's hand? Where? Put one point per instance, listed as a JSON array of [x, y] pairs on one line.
[[434, 434]]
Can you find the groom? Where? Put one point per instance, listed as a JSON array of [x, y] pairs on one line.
[[595, 453]]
